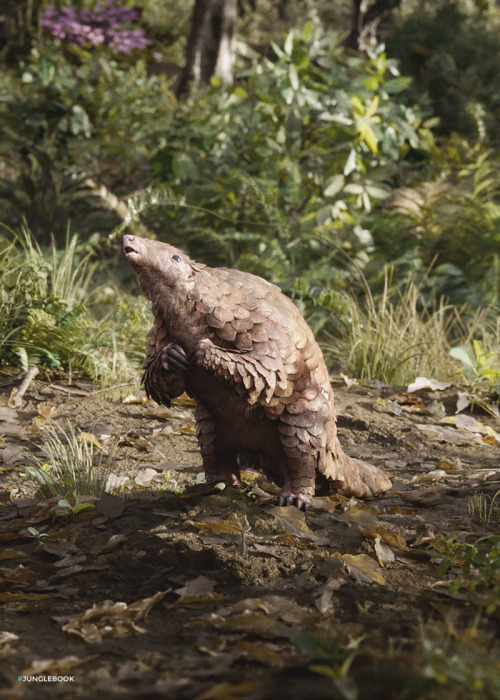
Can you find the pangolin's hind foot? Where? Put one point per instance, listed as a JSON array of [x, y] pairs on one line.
[[299, 484], [301, 500]]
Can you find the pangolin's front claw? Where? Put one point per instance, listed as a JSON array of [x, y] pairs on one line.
[[174, 358]]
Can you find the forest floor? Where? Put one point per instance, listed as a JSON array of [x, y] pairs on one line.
[[215, 593]]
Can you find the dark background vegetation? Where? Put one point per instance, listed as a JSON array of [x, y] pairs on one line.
[[343, 150]]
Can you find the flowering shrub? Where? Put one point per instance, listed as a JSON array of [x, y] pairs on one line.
[[103, 25]]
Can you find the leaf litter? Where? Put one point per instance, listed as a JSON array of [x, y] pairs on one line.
[[217, 582]]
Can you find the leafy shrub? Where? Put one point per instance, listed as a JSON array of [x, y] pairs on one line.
[[282, 165], [480, 369], [74, 121], [45, 313], [446, 231], [479, 562]]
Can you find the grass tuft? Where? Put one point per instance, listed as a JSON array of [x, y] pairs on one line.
[[484, 509], [69, 466], [395, 338]]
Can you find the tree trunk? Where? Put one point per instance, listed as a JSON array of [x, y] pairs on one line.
[[365, 20], [210, 47]]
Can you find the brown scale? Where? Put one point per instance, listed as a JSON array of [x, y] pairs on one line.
[[258, 378]]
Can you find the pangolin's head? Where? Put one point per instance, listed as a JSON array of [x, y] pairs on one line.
[[159, 266]]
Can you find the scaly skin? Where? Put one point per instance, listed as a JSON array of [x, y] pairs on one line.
[[243, 351]]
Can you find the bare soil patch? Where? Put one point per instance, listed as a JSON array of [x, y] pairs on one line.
[[237, 587]]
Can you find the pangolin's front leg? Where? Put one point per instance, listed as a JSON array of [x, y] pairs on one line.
[[164, 377], [219, 464]]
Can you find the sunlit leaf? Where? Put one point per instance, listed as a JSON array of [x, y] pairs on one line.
[[423, 384], [465, 356], [334, 185], [363, 568], [397, 85]]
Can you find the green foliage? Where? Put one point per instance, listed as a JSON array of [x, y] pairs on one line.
[[72, 504], [286, 161], [68, 119], [446, 230], [478, 366], [42, 298], [456, 667], [479, 562], [334, 657], [46, 318]]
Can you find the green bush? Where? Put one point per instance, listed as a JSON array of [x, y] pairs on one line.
[[47, 315], [74, 120], [445, 231], [283, 164]]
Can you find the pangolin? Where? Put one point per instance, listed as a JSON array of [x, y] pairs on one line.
[[242, 350]]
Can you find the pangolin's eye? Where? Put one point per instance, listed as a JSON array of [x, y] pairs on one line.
[[177, 258]]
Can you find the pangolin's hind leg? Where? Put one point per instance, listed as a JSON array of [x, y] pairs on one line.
[[299, 479], [219, 464]]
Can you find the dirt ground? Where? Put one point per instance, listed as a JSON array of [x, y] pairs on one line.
[[177, 589]]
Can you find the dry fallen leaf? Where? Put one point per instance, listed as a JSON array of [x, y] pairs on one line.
[[324, 594], [91, 439], [423, 497], [46, 411], [367, 521], [471, 425], [234, 523], [362, 567], [384, 552], [250, 622], [8, 644], [20, 575], [12, 554], [109, 619], [199, 590], [8, 597], [292, 521], [115, 482], [136, 397], [379, 531], [146, 476], [425, 384], [409, 402], [56, 667], [165, 413], [258, 652], [463, 401], [328, 504], [429, 477], [441, 433]]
